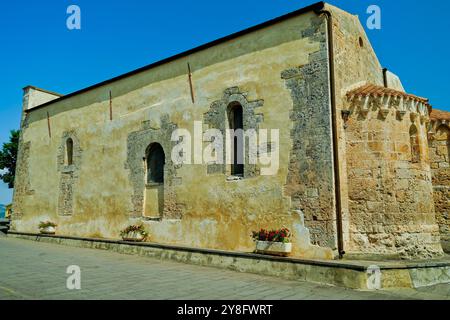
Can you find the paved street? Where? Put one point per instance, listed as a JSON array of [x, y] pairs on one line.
[[33, 270]]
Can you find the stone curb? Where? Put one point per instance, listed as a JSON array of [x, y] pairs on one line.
[[348, 274]]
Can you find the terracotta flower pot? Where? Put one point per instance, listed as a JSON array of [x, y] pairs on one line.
[[274, 248], [134, 237], [48, 230]]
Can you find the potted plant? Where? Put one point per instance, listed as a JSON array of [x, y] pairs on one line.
[[273, 242], [134, 233], [47, 227]]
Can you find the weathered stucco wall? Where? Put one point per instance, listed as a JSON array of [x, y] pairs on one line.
[[439, 146], [32, 97], [280, 72]]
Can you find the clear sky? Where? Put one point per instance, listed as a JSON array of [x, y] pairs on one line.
[[118, 36]]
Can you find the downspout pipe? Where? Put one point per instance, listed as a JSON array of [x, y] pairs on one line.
[[385, 82], [337, 176]]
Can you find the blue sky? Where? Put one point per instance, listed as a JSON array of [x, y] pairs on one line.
[[118, 36]]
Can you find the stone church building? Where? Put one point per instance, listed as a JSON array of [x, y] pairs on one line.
[[363, 165]]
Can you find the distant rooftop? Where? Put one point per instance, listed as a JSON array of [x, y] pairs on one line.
[[440, 115], [43, 90]]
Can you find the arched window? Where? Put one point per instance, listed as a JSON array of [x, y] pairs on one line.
[[69, 152], [236, 123], [156, 161], [415, 144]]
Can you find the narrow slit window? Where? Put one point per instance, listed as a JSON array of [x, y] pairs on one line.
[[156, 161], [69, 152], [236, 122]]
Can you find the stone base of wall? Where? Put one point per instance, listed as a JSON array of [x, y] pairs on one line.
[[441, 200], [344, 273]]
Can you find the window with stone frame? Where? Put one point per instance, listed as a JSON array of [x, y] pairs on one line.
[[236, 123]]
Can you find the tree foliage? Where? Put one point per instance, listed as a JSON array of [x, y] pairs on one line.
[[8, 158]]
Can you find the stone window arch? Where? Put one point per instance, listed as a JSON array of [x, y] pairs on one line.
[[235, 114], [415, 144], [236, 102], [69, 157], [156, 161], [154, 201]]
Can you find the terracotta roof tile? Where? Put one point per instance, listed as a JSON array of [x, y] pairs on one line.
[[374, 90], [440, 115]]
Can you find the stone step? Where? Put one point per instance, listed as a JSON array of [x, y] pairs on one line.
[[362, 275]]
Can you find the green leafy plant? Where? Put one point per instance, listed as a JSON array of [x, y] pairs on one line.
[[134, 228], [279, 235], [46, 224], [8, 159]]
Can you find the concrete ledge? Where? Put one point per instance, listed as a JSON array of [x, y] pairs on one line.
[[343, 273]]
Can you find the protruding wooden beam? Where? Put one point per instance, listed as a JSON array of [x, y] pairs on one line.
[[191, 84], [48, 125], [110, 106]]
